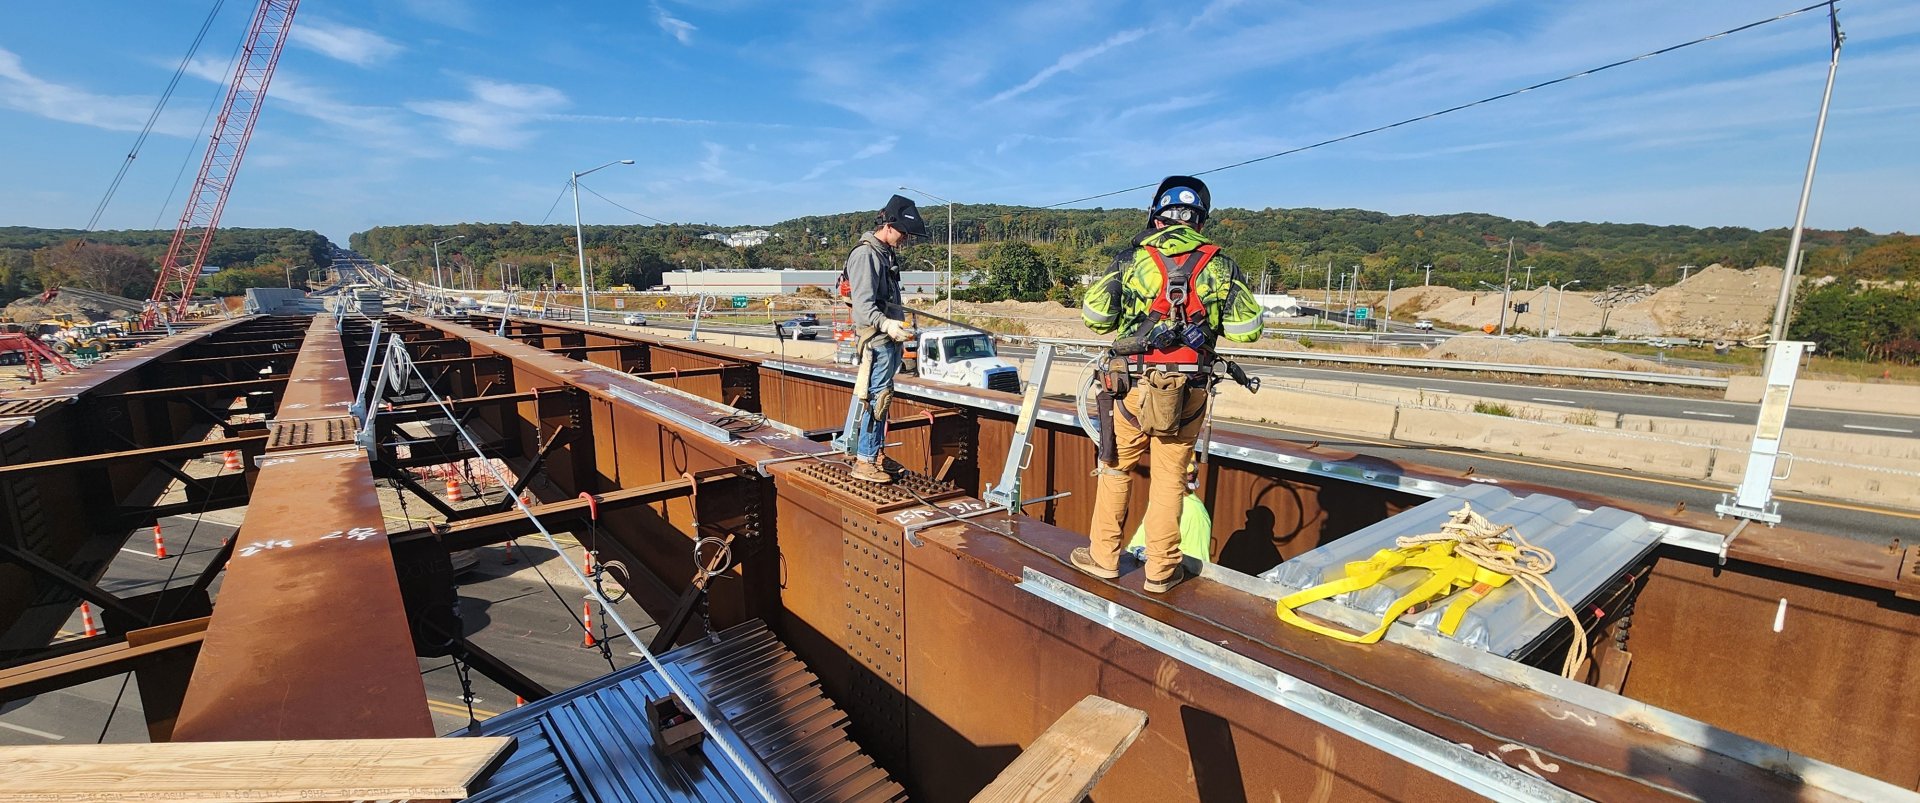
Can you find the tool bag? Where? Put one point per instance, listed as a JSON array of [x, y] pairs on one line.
[[1163, 400]]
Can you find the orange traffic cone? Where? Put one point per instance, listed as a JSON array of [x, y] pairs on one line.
[[86, 619], [519, 701], [589, 565], [159, 545], [510, 558], [586, 609], [526, 498], [453, 491], [232, 458]]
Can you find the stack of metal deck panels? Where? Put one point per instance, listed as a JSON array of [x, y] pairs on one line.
[[591, 743]]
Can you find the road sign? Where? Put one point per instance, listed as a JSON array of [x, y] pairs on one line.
[[739, 302], [660, 302], [1359, 313], [619, 303]]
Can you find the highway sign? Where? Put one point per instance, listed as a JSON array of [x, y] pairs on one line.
[[739, 302], [660, 302], [619, 303], [1359, 313]]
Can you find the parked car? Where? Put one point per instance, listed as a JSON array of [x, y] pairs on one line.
[[1423, 324], [804, 327], [634, 319]]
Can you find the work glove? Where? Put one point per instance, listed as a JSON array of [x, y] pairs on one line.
[[895, 329]]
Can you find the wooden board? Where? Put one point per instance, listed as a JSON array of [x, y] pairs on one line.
[[1063, 764], [249, 772]]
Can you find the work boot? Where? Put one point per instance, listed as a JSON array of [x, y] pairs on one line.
[[1180, 574], [868, 471], [1083, 560]]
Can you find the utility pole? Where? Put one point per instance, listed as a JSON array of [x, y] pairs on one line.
[[1386, 321], [1326, 306], [1529, 277], [1429, 280]]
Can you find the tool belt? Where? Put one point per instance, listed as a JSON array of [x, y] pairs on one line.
[[1162, 400], [1449, 572]]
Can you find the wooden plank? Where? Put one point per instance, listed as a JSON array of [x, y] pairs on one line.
[[250, 772], [1063, 764]]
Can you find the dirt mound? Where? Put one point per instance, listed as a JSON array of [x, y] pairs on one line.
[[1718, 302], [1482, 348], [82, 304]]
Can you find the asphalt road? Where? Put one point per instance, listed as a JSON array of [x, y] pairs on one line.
[[509, 609]]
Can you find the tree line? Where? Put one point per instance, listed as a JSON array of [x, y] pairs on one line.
[[126, 263]]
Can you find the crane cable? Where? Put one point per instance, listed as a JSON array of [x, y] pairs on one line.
[[154, 117]]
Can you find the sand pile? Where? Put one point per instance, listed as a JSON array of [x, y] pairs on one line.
[[87, 305], [1713, 302], [1482, 348]]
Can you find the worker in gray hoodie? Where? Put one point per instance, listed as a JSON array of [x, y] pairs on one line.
[[873, 289]]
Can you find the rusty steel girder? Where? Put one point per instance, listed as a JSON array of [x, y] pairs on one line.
[[310, 639]]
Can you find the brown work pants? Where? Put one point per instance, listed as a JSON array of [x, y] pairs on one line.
[[1166, 482]]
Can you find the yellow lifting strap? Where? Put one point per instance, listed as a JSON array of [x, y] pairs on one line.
[[1448, 571]]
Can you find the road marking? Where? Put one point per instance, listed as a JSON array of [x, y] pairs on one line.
[[1435, 390], [1554, 401], [137, 552], [1876, 429], [1879, 511], [1715, 415], [460, 709], [33, 732]]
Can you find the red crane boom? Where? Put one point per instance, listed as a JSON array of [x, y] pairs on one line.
[[266, 35]]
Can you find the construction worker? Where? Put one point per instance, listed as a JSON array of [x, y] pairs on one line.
[[872, 281], [1169, 297]]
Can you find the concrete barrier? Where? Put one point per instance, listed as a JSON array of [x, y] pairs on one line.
[[1860, 397], [1847, 447], [1553, 441], [1806, 473], [1293, 408]]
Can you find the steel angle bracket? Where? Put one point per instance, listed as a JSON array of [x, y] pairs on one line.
[[713, 432], [1460, 765], [1006, 493]]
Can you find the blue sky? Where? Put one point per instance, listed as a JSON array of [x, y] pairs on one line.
[[739, 111]]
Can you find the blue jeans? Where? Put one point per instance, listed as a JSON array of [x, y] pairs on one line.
[[886, 357]]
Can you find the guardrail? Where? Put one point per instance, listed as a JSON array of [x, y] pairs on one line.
[[1647, 377]]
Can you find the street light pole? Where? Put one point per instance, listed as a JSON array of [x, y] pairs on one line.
[[1429, 279], [949, 244], [580, 243], [439, 283], [1559, 300]]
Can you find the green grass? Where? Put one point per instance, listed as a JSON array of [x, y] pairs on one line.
[[1492, 408]]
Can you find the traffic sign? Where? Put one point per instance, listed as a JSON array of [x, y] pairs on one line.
[[1359, 313], [739, 302], [660, 303], [619, 303]]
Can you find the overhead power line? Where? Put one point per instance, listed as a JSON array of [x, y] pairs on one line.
[[564, 186], [1489, 99], [154, 117], [611, 201]]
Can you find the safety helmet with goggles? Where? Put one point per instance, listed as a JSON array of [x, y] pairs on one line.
[[1181, 199]]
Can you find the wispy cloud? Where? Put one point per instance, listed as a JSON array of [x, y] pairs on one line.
[[381, 127], [875, 149], [674, 26], [1069, 62], [23, 91], [496, 116], [356, 46]]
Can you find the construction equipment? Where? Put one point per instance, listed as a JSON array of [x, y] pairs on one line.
[[246, 94], [31, 346]]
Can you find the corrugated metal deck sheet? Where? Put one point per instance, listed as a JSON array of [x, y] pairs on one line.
[[1590, 548], [590, 743]]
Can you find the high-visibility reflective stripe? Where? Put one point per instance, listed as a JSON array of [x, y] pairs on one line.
[[1242, 327], [1094, 316]]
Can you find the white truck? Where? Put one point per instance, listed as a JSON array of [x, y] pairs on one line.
[[956, 356]]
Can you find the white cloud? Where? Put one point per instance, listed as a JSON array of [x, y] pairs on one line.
[[875, 149], [23, 91], [674, 26], [356, 46], [1068, 62], [496, 116], [377, 126]]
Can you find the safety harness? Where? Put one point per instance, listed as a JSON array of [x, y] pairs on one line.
[[1469, 552], [1181, 345]]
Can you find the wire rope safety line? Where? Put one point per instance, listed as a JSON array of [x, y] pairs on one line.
[[730, 744]]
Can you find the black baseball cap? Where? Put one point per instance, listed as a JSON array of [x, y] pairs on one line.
[[903, 215]]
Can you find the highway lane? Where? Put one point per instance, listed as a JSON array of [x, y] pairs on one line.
[[1833, 517]]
